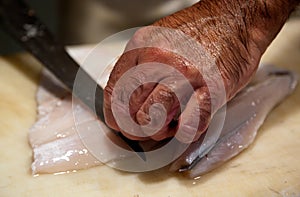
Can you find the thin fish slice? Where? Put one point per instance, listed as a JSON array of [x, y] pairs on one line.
[[57, 145], [244, 116]]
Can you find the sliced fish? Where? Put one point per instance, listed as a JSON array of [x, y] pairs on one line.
[[244, 115], [59, 146]]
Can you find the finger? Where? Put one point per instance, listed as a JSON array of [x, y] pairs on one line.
[[139, 96], [125, 62], [179, 63], [196, 116], [162, 104], [132, 81], [128, 60]]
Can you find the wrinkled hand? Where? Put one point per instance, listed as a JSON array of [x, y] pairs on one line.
[[192, 62]]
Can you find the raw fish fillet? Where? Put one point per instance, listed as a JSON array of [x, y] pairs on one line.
[[244, 115], [56, 141], [58, 145]]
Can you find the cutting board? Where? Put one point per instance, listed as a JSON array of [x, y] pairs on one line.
[[269, 167]]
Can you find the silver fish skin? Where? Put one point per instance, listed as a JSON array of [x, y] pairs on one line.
[[245, 114]]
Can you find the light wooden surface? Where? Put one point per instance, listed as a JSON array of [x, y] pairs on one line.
[[270, 167]]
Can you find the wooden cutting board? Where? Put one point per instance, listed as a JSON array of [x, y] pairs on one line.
[[269, 167]]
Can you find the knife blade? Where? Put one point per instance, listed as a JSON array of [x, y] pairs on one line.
[[24, 26]]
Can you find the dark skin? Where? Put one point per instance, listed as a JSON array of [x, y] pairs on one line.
[[234, 34]]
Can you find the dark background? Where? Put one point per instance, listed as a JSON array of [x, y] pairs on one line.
[[90, 21], [47, 10]]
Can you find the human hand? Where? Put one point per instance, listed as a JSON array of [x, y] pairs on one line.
[[215, 45]]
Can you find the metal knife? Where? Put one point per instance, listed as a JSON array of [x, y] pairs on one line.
[[24, 26]]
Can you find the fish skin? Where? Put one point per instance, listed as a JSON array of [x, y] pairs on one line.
[[244, 115]]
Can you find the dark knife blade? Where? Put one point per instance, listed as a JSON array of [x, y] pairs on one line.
[[23, 25]]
